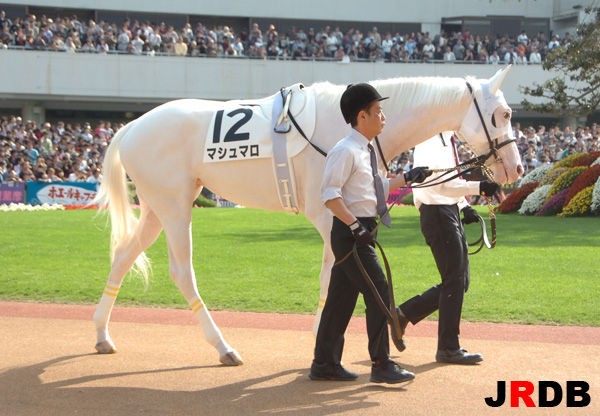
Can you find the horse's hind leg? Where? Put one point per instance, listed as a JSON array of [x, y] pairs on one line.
[[125, 255], [179, 239]]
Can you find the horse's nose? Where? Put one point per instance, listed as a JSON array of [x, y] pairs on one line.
[[520, 169]]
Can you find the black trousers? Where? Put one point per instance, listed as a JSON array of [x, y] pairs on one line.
[[345, 285], [444, 233]]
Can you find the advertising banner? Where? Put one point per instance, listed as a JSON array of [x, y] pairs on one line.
[[63, 193], [12, 192]]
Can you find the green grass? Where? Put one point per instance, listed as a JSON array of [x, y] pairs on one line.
[[544, 269]]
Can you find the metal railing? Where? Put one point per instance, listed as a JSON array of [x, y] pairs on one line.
[[266, 57]]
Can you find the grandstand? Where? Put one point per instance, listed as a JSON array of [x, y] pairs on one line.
[[43, 85]]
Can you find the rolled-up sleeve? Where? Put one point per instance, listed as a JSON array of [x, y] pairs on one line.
[[338, 169]]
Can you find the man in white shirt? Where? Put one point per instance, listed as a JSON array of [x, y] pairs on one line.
[[439, 208], [354, 190]]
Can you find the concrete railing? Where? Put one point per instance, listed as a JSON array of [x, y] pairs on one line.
[[93, 81]]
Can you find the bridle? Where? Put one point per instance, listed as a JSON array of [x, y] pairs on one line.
[[494, 146], [478, 162]]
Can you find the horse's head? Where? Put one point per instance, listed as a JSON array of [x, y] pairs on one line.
[[487, 129]]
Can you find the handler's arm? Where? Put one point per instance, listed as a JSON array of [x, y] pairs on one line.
[[340, 210]]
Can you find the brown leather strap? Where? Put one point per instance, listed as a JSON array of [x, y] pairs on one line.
[[390, 310]]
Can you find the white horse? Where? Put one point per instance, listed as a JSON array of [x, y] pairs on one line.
[[164, 154]]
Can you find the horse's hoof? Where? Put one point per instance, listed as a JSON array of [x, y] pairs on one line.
[[106, 347], [231, 358]]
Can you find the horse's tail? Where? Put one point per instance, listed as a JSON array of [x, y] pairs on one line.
[[113, 194]]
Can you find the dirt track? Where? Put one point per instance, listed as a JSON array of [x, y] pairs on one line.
[[164, 367]]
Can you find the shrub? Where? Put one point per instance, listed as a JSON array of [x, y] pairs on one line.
[[580, 204], [554, 205], [587, 178], [514, 200], [586, 159], [534, 200], [595, 205], [565, 180], [552, 175], [536, 175]]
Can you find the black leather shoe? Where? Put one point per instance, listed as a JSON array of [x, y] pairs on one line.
[[390, 372], [459, 356], [397, 338], [331, 372]]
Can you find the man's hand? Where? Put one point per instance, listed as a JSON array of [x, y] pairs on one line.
[[469, 215], [487, 188], [361, 234], [417, 175]]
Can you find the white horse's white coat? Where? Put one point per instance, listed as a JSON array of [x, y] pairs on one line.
[[162, 153]]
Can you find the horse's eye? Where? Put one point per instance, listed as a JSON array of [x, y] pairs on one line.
[[507, 115]]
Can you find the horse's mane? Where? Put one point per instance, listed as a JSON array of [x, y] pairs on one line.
[[410, 92]]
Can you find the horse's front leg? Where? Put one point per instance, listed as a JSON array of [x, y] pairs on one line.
[[146, 232], [325, 276], [323, 222]]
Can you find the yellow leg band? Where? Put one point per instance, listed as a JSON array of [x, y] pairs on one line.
[[197, 305], [111, 291]]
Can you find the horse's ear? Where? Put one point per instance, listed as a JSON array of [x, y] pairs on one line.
[[498, 78]]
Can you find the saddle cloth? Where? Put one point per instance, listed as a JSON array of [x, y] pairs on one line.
[[243, 129]]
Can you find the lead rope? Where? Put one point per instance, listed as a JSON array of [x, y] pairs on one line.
[[389, 310]]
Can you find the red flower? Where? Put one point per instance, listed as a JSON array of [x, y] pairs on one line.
[[514, 200], [587, 178], [586, 159]]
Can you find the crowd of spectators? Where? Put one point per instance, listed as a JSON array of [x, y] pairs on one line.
[[74, 151], [69, 34], [52, 152], [541, 145]]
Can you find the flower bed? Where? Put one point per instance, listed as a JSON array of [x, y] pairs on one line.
[[587, 178], [514, 200], [536, 175], [80, 206], [552, 175], [573, 182], [554, 205], [580, 204], [595, 205], [568, 161], [27, 207], [534, 200], [565, 180], [586, 159]]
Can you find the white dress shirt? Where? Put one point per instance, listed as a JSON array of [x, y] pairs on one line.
[[436, 154], [348, 175]]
